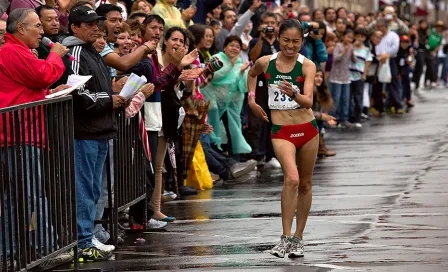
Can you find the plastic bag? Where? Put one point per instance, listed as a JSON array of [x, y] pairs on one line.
[[198, 174], [384, 74]]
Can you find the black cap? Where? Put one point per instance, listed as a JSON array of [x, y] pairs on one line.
[[83, 14]]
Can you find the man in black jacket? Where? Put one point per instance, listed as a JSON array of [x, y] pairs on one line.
[[95, 124]]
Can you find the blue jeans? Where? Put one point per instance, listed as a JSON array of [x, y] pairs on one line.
[[90, 156], [35, 198], [100, 233], [341, 100]]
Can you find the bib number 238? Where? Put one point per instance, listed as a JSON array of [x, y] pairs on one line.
[[279, 96]]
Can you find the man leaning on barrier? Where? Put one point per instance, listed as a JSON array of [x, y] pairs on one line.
[[24, 78]]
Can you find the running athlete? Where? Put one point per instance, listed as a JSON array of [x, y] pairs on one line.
[[294, 132]]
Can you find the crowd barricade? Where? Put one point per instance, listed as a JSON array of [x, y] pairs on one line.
[[37, 190], [129, 171]]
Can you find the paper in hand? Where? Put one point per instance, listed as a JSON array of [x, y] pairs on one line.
[[133, 84], [75, 81]]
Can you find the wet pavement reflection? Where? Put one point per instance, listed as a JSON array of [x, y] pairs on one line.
[[379, 205]]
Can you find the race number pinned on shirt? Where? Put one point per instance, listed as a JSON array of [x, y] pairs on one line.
[[279, 100]]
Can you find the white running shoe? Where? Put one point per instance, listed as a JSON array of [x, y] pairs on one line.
[[296, 249], [101, 246], [155, 224], [282, 247], [358, 125], [273, 163]]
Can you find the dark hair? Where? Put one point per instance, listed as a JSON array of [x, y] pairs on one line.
[[313, 15], [153, 17], [83, 3], [102, 27], [191, 40], [268, 14], [135, 25], [344, 21], [323, 97], [290, 23], [339, 9], [198, 32], [223, 12], [361, 31], [347, 31], [326, 10], [233, 38], [170, 32], [214, 22], [303, 14], [104, 9], [43, 7], [137, 14]]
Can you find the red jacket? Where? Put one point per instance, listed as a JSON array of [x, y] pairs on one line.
[[23, 77]]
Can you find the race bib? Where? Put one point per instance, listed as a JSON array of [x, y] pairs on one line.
[[279, 100]]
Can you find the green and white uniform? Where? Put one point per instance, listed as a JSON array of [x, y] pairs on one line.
[[277, 99]]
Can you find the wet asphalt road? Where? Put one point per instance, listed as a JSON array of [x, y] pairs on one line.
[[380, 205]]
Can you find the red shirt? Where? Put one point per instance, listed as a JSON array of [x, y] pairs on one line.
[[23, 77]]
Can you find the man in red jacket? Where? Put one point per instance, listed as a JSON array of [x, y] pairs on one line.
[[24, 78]]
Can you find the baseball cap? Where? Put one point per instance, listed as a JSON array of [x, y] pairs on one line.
[[404, 38], [83, 14]]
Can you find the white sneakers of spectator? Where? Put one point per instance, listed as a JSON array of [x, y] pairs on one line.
[[155, 224], [273, 163], [101, 246]]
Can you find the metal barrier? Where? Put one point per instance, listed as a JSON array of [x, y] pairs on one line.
[[37, 190], [129, 170]]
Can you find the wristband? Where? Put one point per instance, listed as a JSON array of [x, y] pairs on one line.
[[251, 94], [295, 91], [149, 49]]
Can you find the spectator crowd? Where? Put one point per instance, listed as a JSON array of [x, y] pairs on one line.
[[194, 52]]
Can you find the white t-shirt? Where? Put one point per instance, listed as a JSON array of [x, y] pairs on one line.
[[124, 13]]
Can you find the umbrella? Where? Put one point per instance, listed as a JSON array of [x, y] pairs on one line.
[[196, 112]]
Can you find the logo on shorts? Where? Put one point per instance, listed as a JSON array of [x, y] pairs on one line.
[[297, 135]]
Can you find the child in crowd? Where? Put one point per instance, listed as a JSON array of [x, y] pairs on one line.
[[404, 60], [358, 74], [322, 102], [340, 78]]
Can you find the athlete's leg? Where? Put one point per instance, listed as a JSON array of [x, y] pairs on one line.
[[286, 155], [306, 158]]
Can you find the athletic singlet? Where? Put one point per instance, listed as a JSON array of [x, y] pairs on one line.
[[277, 99]]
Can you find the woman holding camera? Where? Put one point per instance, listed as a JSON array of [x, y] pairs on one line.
[[295, 136]]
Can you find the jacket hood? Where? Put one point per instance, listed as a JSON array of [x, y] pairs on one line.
[[72, 41]]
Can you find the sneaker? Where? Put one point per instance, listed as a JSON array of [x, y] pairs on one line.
[[242, 168], [364, 116], [101, 246], [346, 124], [58, 260], [273, 163], [357, 125], [240, 180], [186, 191], [155, 224], [282, 247], [168, 196], [296, 249], [93, 254]]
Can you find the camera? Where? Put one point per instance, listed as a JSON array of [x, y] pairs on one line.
[[315, 31], [268, 29]]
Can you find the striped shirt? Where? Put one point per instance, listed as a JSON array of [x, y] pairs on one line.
[[389, 44], [357, 68]]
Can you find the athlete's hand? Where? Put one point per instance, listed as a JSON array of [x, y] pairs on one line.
[[327, 118], [258, 111], [286, 88]]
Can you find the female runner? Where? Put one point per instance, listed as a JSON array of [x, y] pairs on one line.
[[295, 138]]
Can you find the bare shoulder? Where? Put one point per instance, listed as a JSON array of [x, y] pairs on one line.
[[309, 66], [261, 65], [264, 61]]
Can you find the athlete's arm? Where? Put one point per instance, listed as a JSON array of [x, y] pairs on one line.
[[309, 72], [261, 65]]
